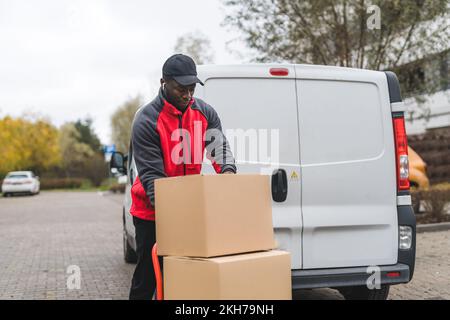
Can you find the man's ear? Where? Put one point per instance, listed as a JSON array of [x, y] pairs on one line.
[[162, 83]]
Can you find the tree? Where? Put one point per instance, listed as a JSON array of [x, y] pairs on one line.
[[342, 33], [87, 134], [74, 153], [336, 32], [43, 143], [121, 122], [197, 46], [79, 159], [97, 169], [28, 144]]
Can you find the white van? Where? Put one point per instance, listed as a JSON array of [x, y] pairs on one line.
[[341, 205]]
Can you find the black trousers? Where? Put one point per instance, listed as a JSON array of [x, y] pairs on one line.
[[143, 284]]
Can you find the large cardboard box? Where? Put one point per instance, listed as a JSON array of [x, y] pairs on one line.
[[213, 215], [254, 276]]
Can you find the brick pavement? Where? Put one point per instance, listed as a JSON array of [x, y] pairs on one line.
[[431, 280], [41, 236]]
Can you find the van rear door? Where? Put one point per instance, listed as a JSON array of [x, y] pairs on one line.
[[348, 177], [259, 116]]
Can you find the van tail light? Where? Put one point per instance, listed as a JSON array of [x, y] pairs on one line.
[[401, 151], [279, 71]]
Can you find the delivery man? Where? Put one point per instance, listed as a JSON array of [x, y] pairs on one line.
[[169, 136]]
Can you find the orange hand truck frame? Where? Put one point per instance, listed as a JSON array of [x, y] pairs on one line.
[[158, 274]]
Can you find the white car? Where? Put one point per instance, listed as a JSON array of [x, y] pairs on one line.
[[20, 182]]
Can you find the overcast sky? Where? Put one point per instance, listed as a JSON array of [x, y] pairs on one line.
[[67, 59]]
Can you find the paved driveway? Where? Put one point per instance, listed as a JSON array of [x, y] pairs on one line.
[[44, 239], [42, 236]]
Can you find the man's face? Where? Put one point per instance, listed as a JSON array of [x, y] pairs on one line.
[[177, 94]]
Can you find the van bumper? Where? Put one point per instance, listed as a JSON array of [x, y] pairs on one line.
[[406, 217], [17, 188], [358, 276], [345, 277]]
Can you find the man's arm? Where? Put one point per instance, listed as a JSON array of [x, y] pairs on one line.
[[147, 154], [217, 146]]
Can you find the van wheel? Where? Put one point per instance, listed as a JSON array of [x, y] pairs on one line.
[[129, 254], [364, 293], [5, 195]]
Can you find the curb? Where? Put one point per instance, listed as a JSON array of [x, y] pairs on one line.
[[433, 227]]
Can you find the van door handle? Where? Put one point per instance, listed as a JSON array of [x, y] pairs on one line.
[[279, 185]]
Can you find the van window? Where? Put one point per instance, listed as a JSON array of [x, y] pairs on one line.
[[17, 176], [264, 109], [339, 121]]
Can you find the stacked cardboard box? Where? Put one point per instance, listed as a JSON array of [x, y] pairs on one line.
[[216, 235]]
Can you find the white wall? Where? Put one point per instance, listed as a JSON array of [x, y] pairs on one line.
[[439, 105]]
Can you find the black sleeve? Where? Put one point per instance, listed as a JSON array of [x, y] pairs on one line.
[[218, 151], [147, 153]]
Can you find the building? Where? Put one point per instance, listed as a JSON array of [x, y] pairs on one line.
[[426, 91]]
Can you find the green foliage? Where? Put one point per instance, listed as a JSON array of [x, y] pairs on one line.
[[62, 183], [96, 169], [112, 185], [117, 188], [197, 46], [74, 153], [28, 144], [435, 202], [121, 122], [87, 134], [33, 143], [335, 32], [412, 38], [79, 159]]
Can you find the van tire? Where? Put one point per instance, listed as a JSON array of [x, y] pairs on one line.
[[129, 254], [364, 293]]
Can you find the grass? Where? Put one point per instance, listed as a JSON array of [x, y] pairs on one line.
[[73, 190], [86, 186]]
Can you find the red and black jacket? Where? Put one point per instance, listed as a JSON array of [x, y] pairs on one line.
[[166, 142]]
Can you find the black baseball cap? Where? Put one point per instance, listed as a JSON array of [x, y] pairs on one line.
[[182, 69]]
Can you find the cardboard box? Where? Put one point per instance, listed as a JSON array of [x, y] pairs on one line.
[[254, 276], [213, 215]]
